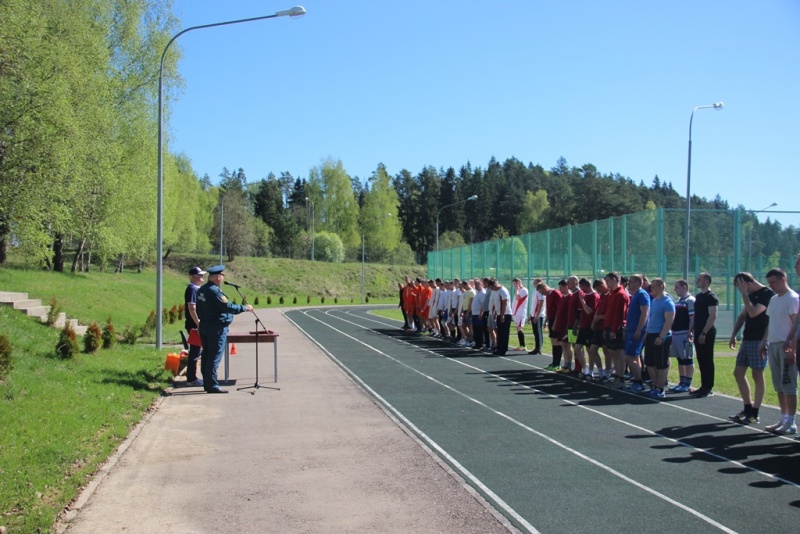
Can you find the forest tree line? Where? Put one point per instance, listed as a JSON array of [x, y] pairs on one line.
[[78, 124]]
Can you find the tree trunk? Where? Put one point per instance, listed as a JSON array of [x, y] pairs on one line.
[[78, 256], [58, 253], [141, 264], [120, 264], [167, 254], [4, 237]]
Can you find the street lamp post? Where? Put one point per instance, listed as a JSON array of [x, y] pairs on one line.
[[312, 227], [473, 197], [221, 227], [750, 238], [718, 105], [296, 11]]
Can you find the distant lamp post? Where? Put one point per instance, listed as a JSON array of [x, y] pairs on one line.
[[312, 226], [363, 240], [718, 105], [296, 11], [221, 226], [473, 197], [750, 238]]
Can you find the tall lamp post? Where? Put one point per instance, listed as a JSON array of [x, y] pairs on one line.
[[363, 240], [718, 105], [296, 11], [750, 238], [312, 226], [473, 197]]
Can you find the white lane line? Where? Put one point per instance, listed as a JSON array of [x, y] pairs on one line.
[[666, 405], [431, 443], [555, 442]]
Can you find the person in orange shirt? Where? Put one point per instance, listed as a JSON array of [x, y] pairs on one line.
[[423, 295]]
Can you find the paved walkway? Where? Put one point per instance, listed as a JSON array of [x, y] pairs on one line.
[[316, 456]]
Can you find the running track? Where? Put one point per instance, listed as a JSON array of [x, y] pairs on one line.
[[554, 454]]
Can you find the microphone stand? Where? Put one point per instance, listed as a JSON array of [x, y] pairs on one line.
[[256, 386]]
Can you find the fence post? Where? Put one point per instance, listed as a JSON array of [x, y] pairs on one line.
[[611, 244], [568, 268], [547, 268], [737, 255], [595, 250], [624, 244]]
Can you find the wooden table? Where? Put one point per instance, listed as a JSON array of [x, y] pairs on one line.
[[250, 337]]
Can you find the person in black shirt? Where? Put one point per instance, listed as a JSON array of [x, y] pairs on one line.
[[755, 297], [196, 275], [705, 333]]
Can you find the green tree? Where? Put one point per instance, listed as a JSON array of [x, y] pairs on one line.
[[379, 217]]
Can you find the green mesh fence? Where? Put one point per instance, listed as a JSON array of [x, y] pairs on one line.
[[650, 242]]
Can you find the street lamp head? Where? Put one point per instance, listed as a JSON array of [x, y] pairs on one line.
[[296, 11], [718, 105], [473, 197]]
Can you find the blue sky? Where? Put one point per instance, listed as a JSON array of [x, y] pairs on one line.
[[410, 83]]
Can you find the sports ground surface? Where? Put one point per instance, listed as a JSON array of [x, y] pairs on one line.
[[554, 454]]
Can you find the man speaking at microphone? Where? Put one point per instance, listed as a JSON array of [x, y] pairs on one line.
[[216, 313]]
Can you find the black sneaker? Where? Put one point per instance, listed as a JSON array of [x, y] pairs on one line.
[[702, 393]]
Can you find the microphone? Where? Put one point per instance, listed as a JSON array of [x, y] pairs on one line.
[[231, 284]]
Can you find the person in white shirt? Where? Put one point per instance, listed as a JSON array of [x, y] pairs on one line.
[[537, 316], [478, 327], [502, 311], [779, 345], [519, 310]]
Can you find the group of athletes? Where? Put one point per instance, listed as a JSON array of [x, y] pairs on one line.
[[636, 323]]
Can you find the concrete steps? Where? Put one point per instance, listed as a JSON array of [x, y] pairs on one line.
[[35, 308]]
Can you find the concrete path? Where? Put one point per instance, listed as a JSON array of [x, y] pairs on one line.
[[316, 456]]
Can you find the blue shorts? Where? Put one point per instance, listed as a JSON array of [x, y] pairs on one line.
[[633, 347], [748, 356]]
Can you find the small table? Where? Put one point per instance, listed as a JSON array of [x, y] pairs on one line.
[[250, 337]]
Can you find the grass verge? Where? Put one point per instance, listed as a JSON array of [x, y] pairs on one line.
[[61, 419]]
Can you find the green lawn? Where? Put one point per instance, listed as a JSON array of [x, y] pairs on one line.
[[724, 362], [60, 419]]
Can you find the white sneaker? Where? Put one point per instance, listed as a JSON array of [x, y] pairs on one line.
[[773, 428], [786, 429]]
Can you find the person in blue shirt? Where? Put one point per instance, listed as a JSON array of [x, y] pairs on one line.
[[215, 312], [659, 337], [635, 325]]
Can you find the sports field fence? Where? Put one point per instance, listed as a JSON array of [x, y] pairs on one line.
[[651, 242]]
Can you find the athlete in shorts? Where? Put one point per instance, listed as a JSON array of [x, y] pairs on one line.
[[659, 337], [519, 311], [682, 347]]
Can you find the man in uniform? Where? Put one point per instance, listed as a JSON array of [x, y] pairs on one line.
[[215, 313], [190, 303]]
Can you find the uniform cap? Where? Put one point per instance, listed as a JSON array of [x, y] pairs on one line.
[[217, 269]]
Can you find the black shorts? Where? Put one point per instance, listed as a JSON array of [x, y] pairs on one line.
[[553, 334], [585, 336], [657, 355], [598, 338], [618, 343]]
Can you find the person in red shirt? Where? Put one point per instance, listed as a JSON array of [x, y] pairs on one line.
[[598, 326], [409, 303], [587, 300], [562, 327], [615, 313], [551, 301]]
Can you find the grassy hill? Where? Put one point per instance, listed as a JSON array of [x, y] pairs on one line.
[[129, 297]]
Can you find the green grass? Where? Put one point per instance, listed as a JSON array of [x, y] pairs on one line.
[[61, 419], [724, 363]]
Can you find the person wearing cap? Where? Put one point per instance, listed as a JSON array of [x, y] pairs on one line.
[[216, 313], [196, 275]]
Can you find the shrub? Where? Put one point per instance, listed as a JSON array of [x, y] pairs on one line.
[[352, 299], [92, 339], [322, 299], [234, 301], [109, 334], [281, 299], [173, 314], [366, 299], [55, 309], [67, 346], [336, 300], [149, 324], [129, 335], [294, 301], [308, 299], [269, 300], [6, 361], [181, 310], [164, 316], [255, 302]]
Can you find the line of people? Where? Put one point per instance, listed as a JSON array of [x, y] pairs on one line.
[[636, 323]]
